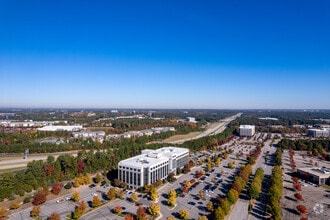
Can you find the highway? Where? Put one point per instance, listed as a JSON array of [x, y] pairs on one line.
[[215, 128]]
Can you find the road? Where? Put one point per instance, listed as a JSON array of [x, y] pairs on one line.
[[215, 128], [12, 163], [240, 210]]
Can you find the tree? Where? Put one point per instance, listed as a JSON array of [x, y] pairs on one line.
[[232, 196], [297, 186], [170, 218], [79, 211], [141, 213], [98, 178], [171, 193], [254, 190], [302, 209], [40, 198], [184, 214], [111, 193], [219, 214], [225, 205], [201, 193], [153, 194], [82, 206], [171, 201], [75, 196], [56, 189], [120, 194], [54, 216], [14, 205], [209, 206], [134, 197], [35, 211], [298, 196], [129, 216], [117, 209], [203, 217], [154, 209], [96, 201]]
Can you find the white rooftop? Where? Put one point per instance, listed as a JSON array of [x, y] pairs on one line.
[[149, 157], [246, 126]]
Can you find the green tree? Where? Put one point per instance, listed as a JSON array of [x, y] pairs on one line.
[[232, 196]]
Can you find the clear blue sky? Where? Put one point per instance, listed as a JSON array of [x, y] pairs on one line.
[[165, 54]]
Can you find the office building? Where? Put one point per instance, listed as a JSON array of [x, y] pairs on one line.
[[318, 132], [151, 165], [246, 130], [319, 176]]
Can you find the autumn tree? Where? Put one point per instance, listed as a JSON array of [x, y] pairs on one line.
[[302, 209], [14, 205], [141, 213], [171, 201], [134, 197], [120, 194], [35, 211], [79, 211], [75, 196], [219, 214], [54, 216], [209, 206], [153, 194], [298, 196], [154, 209], [129, 216], [56, 189], [171, 193], [111, 193], [184, 214], [40, 198], [96, 201], [117, 209], [232, 196]]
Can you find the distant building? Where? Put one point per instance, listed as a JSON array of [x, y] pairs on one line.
[[315, 175], [246, 130], [318, 132], [190, 119], [61, 128], [269, 118], [151, 165]]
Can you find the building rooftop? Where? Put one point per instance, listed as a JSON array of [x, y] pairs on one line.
[[246, 126], [317, 171], [149, 157]]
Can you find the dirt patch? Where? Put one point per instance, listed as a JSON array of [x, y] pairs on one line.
[[182, 136]]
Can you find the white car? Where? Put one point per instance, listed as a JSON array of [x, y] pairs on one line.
[[94, 194]]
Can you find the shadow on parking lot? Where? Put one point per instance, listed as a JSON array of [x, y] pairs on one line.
[[289, 198], [293, 211]]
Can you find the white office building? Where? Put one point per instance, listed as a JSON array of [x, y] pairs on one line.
[[318, 132], [151, 165], [246, 130]]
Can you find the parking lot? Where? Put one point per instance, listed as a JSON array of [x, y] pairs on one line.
[[214, 184], [315, 197]]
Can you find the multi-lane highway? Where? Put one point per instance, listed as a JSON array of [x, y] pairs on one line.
[[214, 128]]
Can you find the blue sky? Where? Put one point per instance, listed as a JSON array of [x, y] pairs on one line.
[[165, 54]]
